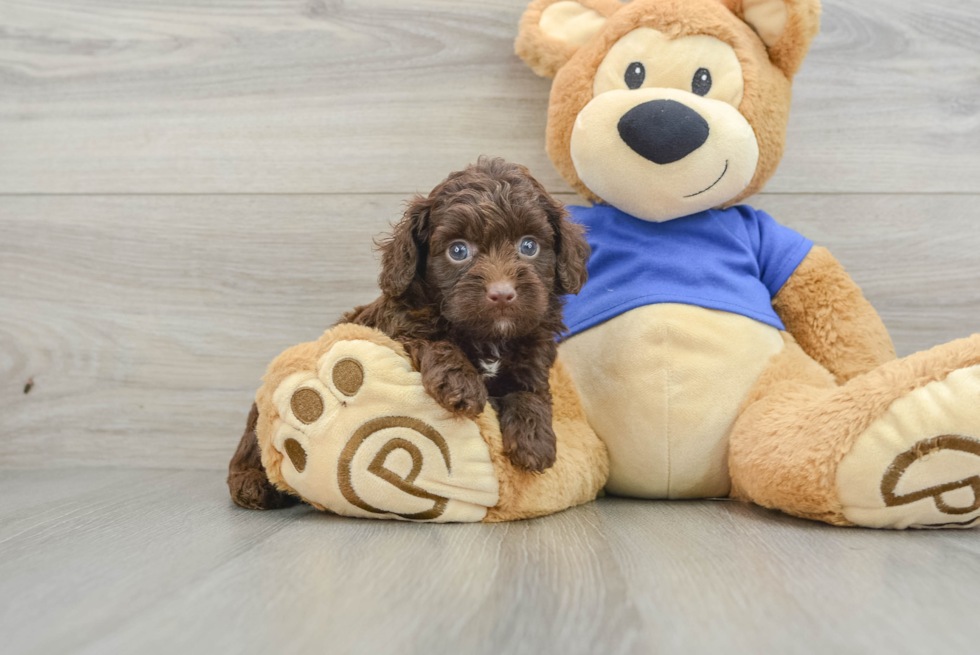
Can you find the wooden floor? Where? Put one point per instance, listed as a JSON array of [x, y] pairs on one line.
[[188, 188], [159, 561]]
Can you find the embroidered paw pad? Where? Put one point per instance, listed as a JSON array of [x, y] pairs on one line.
[[919, 464], [360, 437]]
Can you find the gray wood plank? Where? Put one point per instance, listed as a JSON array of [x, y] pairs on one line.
[[161, 562], [112, 96], [164, 310], [75, 568], [147, 321], [757, 581]]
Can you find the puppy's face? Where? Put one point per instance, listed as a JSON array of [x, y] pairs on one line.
[[491, 248], [493, 262]]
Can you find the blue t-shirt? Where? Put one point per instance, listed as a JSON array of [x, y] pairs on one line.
[[734, 260]]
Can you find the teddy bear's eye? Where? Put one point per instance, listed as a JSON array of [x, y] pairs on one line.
[[701, 83], [635, 74]]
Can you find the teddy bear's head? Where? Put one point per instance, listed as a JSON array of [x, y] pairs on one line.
[[664, 108]]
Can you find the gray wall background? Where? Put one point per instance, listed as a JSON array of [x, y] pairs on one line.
[[188, 188]]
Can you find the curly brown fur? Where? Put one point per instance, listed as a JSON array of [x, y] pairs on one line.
[[249, 486], [467, 345]]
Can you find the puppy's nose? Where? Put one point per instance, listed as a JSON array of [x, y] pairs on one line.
[[501, 293], [663, 131]]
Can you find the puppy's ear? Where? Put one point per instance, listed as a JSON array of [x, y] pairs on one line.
[[787, 27], [403, 254], [571, 249], [551, 31]]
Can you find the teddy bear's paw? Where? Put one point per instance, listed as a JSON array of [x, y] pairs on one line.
[[360, 437], [918, 465]]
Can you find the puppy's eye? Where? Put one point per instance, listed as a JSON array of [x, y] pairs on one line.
[[458, 251], [701, 83], [529, 247], [635, 74]]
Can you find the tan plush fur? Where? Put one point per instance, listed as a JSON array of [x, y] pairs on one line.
[[831, 319], [798, 424], [542, 53], [767, 98], [802, 26], [579, 473]]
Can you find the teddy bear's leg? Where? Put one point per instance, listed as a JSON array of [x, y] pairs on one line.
[[345, 423], [896, 447]]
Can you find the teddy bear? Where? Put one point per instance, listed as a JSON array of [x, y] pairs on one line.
[[717, 353]]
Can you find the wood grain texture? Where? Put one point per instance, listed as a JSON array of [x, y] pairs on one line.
[[171, 566], [157, 315], [147, 318], [325, 96], [147, 321]]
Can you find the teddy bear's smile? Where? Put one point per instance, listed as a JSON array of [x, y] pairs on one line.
[[713, 184]]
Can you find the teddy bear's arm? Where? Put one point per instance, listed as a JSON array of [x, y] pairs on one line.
[[831, 319]]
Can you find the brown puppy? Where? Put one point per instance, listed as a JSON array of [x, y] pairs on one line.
[[471, 282]]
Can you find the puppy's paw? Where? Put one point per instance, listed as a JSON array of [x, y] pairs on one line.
[[529, 444], [458, 390]]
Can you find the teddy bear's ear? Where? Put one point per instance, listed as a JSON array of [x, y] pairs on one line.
[[552, 30], [787, 27]]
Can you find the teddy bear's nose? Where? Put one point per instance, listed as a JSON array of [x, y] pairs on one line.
[[663, 131]]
